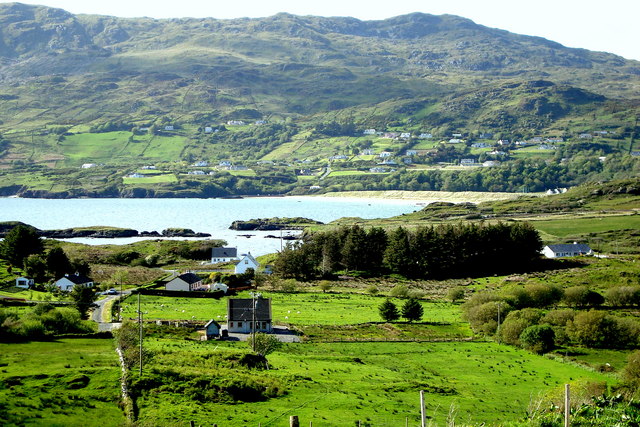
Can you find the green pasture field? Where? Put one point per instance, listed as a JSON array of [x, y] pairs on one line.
[[347, 173], [576, 225], [303, 308], [248, 172], [378, 384], [67, 382], [151, 179], [112, 146]]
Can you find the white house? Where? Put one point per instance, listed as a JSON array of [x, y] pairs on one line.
[[369, 132], [24, 283], [455, 141], [566, 250], [169, 127], [70, 280], [246, 262], [185, 282], [405, 135], [385, 154], [243, 312], [88, 165], [208, 129], [223, 255]]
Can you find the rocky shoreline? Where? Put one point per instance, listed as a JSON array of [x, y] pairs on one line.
[[273, 224], [102, 232]]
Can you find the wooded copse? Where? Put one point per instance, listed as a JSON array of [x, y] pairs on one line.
[[443, 251]]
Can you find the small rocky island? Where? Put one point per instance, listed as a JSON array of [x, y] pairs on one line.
[[100, 232], [269, 224]]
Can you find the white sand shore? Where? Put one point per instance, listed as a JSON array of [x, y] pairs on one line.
[[427, 196]]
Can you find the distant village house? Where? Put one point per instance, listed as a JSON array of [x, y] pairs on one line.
[[243, 312]]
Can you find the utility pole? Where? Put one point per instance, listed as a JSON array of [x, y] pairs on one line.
[[567, 406]]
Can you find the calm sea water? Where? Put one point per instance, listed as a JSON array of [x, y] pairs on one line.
[[212, 216]]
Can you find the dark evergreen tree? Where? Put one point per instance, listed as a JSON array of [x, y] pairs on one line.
[[412, 310], [355, 249], [19, 243], [376, 246], [57, 263], [388, 311], [397, 256]]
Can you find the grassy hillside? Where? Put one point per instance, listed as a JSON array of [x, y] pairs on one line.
[[125, 93]]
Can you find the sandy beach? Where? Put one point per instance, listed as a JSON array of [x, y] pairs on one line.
[[427, 196]]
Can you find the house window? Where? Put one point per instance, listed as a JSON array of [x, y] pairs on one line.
[[264, 325], [231, 324], [246, 261]]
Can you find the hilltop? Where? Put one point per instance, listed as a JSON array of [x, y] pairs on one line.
[[126, 93]]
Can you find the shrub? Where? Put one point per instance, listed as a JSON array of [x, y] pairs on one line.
[[538, 338], [372, 290], [455, 294], [325, 285], [594, 329], [399, 291], [581, 296], [623, 296], [559, 317], [288, 285], [631, 372], [484, 318], [516, 322]]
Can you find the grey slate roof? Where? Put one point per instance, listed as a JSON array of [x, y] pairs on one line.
[[78, 279], [242, 309], [224, 252], [571, 247], [190, 278]]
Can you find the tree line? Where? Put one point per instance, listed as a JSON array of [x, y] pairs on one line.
[[425, 252]]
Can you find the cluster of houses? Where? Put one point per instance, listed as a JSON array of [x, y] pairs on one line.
[[66, 283]]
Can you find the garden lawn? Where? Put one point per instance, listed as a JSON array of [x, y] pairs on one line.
[[339, 384], [68, 382]]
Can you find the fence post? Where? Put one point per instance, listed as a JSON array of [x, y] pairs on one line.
[[423, 417], [293, 421], [567, 405]]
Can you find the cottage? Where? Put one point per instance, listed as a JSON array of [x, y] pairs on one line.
[[235, 123], [208, 129], [385, 154], [169, 127], [566, 250], [369, 132], [88, 165], [243, 312], [223, 255], [480, 145], [455, 141], [425, 136], [212, 329], [367, 152], [405, 135], [185, 282], [246, 262], [24, 283], [467, 162], [261, 122], [69, 281]]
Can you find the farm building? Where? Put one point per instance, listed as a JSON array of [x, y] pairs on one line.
[[566, 250], [70, 280], [185, 282], [242, 312]]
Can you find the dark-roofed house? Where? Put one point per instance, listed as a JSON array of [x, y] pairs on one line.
[[566, 250], [67, 282], [185, 282], [240, 315], [223, 255]]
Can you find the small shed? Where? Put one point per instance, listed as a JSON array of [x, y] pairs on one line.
[[212, 329], [24, 283]]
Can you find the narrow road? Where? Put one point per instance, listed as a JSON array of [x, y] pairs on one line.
[[96, 316]]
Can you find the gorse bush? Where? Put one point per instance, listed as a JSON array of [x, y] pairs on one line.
[[42, 322]]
